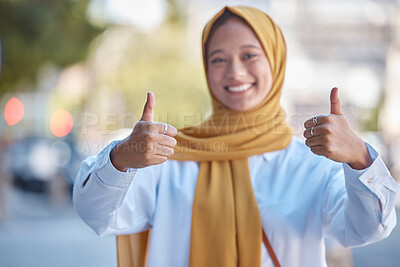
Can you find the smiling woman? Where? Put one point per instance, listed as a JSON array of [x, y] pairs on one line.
[[238, 71], [249, 193]]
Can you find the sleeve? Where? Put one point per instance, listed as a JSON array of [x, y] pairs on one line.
[[113, 202], [352, 207]]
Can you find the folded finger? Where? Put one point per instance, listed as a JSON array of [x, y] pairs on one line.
[[166, 140], [314, 121], [315, 141], [164, 151], [313, 131], [158, 159], [318, 150], [165, 128]]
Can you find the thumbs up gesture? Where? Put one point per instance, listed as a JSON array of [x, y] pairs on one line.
[[150, 143], [331, 136]]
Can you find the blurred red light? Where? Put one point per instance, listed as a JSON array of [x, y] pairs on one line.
[[61, 123], [13, 111]]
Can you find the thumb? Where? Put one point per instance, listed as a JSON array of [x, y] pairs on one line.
[[148, 110], [335, 102]]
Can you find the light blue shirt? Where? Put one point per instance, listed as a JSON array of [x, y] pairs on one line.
[[301, 197]]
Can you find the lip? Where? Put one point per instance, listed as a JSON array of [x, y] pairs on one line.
[[252, 85]]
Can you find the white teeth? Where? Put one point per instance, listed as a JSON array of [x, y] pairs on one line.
[[240, 88]]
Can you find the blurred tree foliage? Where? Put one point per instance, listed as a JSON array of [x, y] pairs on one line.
[[121, 61], [35, 32], [370, 122], [127, 63], [175, 11]]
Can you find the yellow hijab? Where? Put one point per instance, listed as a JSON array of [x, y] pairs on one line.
[[226, 225]]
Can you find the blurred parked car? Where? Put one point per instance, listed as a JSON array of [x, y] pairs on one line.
[[36, 161]]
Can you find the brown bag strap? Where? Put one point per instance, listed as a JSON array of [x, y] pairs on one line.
[[270, 250]]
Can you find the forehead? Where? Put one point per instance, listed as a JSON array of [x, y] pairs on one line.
[[233, 32]]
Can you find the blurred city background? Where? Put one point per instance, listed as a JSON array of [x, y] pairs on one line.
[[74, 76]]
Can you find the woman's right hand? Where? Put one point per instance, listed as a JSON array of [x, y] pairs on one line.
[[147, 144]]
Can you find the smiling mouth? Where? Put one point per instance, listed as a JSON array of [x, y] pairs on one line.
[[239, 89]]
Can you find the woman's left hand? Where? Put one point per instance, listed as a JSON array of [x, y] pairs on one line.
[[331, 136]]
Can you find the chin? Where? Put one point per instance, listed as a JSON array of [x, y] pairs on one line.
[[240, 108]]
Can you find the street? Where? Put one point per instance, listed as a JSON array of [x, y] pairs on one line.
[[42, 233]]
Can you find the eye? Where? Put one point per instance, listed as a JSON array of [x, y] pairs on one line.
[[217, 60], [249, 56]]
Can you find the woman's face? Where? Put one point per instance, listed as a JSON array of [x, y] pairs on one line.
[[238, 70]]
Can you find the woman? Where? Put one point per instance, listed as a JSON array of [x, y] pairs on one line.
[[239, 189]]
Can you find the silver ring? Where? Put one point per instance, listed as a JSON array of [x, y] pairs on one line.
[[312, 131], [165, 128], [315, 120]]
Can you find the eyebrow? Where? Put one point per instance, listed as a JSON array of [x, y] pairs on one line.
[[215, 51], [251, 46], [243, 46]]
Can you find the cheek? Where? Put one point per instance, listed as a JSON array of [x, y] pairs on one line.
[[264, 77], [215, 78]]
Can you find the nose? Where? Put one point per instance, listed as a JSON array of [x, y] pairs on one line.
[[236, 70]]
